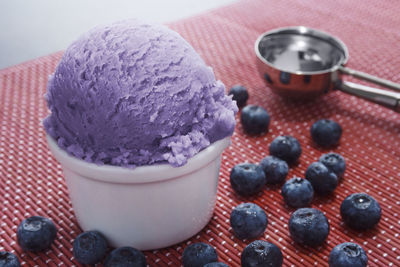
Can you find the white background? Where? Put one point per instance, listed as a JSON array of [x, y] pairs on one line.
[[33, 28]]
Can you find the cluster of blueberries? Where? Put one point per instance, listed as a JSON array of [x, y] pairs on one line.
[[37, 233], [307, 226]]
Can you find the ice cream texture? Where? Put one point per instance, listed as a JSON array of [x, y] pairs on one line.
[[132, 94]]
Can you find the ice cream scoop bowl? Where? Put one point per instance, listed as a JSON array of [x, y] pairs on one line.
[[148, 207], [301, 62]]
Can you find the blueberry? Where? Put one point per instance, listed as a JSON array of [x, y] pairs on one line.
[[334, 162], [268, 78], [254, 119], [125, 256], [297, 192], [36, 233], [248, 221], [322, 179], [348, 255], [261, 253], [286, 148], [8, 259], [247, 179], [360, 211], [90, 247], [309, 227], [275, 169], [216, 264], [284, 77], [239, 94], [326, 132], [198, 255]]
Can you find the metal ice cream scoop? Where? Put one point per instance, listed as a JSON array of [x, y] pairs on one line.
[[302, 62]]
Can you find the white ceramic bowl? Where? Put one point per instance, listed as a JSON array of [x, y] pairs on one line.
[[148, 207]]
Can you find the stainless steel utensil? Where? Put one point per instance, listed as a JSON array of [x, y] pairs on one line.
[[302, 62]]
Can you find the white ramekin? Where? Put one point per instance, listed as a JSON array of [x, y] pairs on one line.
[[148, 207]]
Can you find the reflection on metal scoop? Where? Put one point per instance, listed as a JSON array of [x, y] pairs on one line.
[[304, 62]]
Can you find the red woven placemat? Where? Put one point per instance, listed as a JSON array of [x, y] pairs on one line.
[[32, 182]]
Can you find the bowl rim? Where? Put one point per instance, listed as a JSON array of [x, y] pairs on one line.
[[140, 174]]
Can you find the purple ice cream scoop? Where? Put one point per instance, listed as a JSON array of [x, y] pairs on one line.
[[132, 94]]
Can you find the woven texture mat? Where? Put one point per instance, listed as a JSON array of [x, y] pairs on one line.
[[32, 181]]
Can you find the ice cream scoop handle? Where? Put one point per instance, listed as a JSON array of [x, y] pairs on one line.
[[370, 78], [379, 96]]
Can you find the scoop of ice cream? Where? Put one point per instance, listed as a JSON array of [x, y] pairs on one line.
[[132, 94]]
